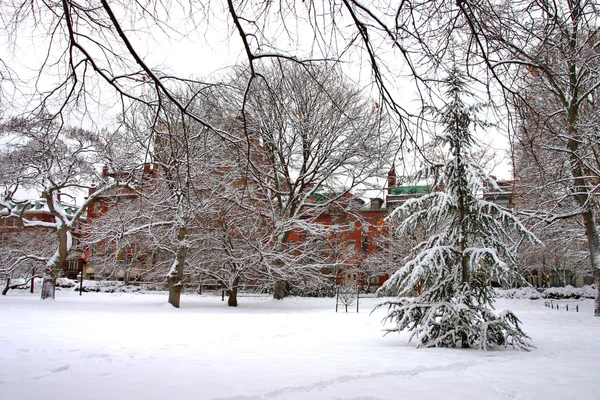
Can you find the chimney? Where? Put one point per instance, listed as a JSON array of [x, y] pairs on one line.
[[376, 203], [105, 171], [392, 178]]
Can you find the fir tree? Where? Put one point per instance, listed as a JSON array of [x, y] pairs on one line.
[[445, 296]]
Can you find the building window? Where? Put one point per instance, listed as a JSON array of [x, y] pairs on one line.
[[352, 245], [97, 207], [73, 265], [365, 245]]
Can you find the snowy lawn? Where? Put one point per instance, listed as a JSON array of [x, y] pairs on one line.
[[134, 346]]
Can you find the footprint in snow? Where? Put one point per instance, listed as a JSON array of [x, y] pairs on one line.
[[60, 369]]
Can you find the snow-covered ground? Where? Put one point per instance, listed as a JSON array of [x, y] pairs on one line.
[[134, 346]]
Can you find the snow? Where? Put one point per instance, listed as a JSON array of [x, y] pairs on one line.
[[135, 346]]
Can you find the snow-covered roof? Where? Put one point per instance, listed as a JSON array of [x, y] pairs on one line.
[[38, 206]]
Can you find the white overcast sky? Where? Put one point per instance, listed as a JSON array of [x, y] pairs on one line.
[[203, 50]]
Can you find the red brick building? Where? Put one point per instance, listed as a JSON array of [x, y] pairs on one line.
[[12, 233], [360, 225], [127, 255]]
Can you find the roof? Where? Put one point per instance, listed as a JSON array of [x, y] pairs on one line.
[[38, 206], [418, 189]]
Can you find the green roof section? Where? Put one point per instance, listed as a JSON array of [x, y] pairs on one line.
[[419, 189], [37, 205], [323, 197]]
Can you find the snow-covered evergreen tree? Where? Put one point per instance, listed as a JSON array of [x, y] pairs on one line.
[[445, 293]]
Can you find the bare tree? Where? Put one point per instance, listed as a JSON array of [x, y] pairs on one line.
[[230, 243], [547, 60], [98, 52], [124, 235], [22, 254], [41, 156], [317, 134], [541, 193]]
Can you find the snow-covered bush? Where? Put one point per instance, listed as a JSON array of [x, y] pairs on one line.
[[567, 292], [118, 287], [520, 293], [66, 283], [570, 292]]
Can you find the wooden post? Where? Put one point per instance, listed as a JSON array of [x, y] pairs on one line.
[[357, 296], [337, 297]]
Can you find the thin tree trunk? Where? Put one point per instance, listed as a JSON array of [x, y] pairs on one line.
[[232, 300], [464, 260], [31, 289], [175, 279], [7, 287], [466, 276], [279, 291]]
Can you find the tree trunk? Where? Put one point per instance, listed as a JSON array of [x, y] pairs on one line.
[[232, 300], [31, 289], [175, 287], [582, 196], [53, 265], [593, 239], [49, 285], [466, 276], [7, 288], [279, 292], [175, 282], [175, 278]]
